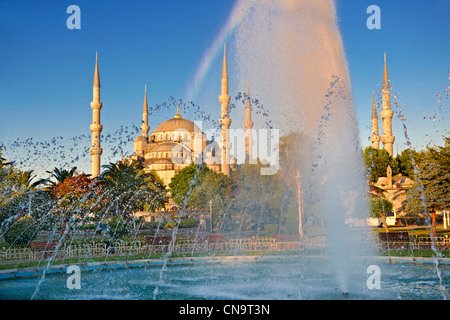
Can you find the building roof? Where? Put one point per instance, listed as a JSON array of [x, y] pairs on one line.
[[398, 181], [157, 161], [164, 147], [141, 138], [177, 124]]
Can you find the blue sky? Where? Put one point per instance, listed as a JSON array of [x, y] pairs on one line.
[[46, 70]]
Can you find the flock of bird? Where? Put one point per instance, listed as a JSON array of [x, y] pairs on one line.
[[66, 152]]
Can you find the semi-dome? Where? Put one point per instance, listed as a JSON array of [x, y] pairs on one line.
[[153, 161], [164, 147], [141, 139]]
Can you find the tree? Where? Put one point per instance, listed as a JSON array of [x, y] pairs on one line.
[[59, 175], [258, 201], [196, 188], [405, 162], [415, 200], [377, 161], [20, 231], [15, 190], [184, 184], [42, 209], [378, 208], [433, 174], [128, 188], [292, 148], [76, 197], [118, 227], [214, 187]]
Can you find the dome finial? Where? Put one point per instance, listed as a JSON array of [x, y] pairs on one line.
[[178, 116]]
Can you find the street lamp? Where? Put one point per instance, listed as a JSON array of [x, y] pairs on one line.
[[433, 220], [300, 204], [210, 215]]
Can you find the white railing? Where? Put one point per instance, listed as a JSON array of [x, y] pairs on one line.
[[190, 246], [142, 247]]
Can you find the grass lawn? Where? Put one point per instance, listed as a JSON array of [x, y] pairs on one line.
[[413, 253], [414, 231], [142, 256], [119, 258]]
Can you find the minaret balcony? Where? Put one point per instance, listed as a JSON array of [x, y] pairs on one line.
[[388, 139], [375, 138], [386, 114], [95, 127], [224, 99], [96, 105], [226, 122], [95, 151]]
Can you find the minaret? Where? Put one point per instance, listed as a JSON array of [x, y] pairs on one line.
[[375, 138], [248, 127], [145, 128], [141, 141], [225, 120], [386, 114], [96, 127]]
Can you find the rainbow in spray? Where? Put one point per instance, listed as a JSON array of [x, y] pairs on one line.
[[238, 13]]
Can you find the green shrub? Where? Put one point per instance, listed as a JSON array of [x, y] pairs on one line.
[[118, 227], [169, 225], [20, 231], [271, 229], [189, 223], [90, 226]]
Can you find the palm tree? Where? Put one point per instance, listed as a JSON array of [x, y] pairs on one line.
[[3, 160], [59, 175], [128, 188]]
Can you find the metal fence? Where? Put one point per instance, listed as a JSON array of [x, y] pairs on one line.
[[67, 251], [417, 243], [233, 246]]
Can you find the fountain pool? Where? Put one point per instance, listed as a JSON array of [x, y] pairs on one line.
[[235, 278]]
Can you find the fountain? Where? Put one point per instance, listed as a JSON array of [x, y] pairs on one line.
[[292, 55]]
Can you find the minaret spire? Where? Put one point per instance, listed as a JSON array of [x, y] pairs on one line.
[[225, 120], [387, 114], [375, 138], [248, 127], [96, 73], [145, 128], [225, 72], [385, 73], [96, 127]]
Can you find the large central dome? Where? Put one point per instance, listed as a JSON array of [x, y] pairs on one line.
[[175, 124]]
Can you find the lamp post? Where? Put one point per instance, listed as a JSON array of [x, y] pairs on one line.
[[210, 215], [445, 219], [433, 221], [300, 204]]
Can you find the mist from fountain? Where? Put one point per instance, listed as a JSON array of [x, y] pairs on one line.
[[292, 55]]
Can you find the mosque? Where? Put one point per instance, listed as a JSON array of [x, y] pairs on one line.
[[175, 142]]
